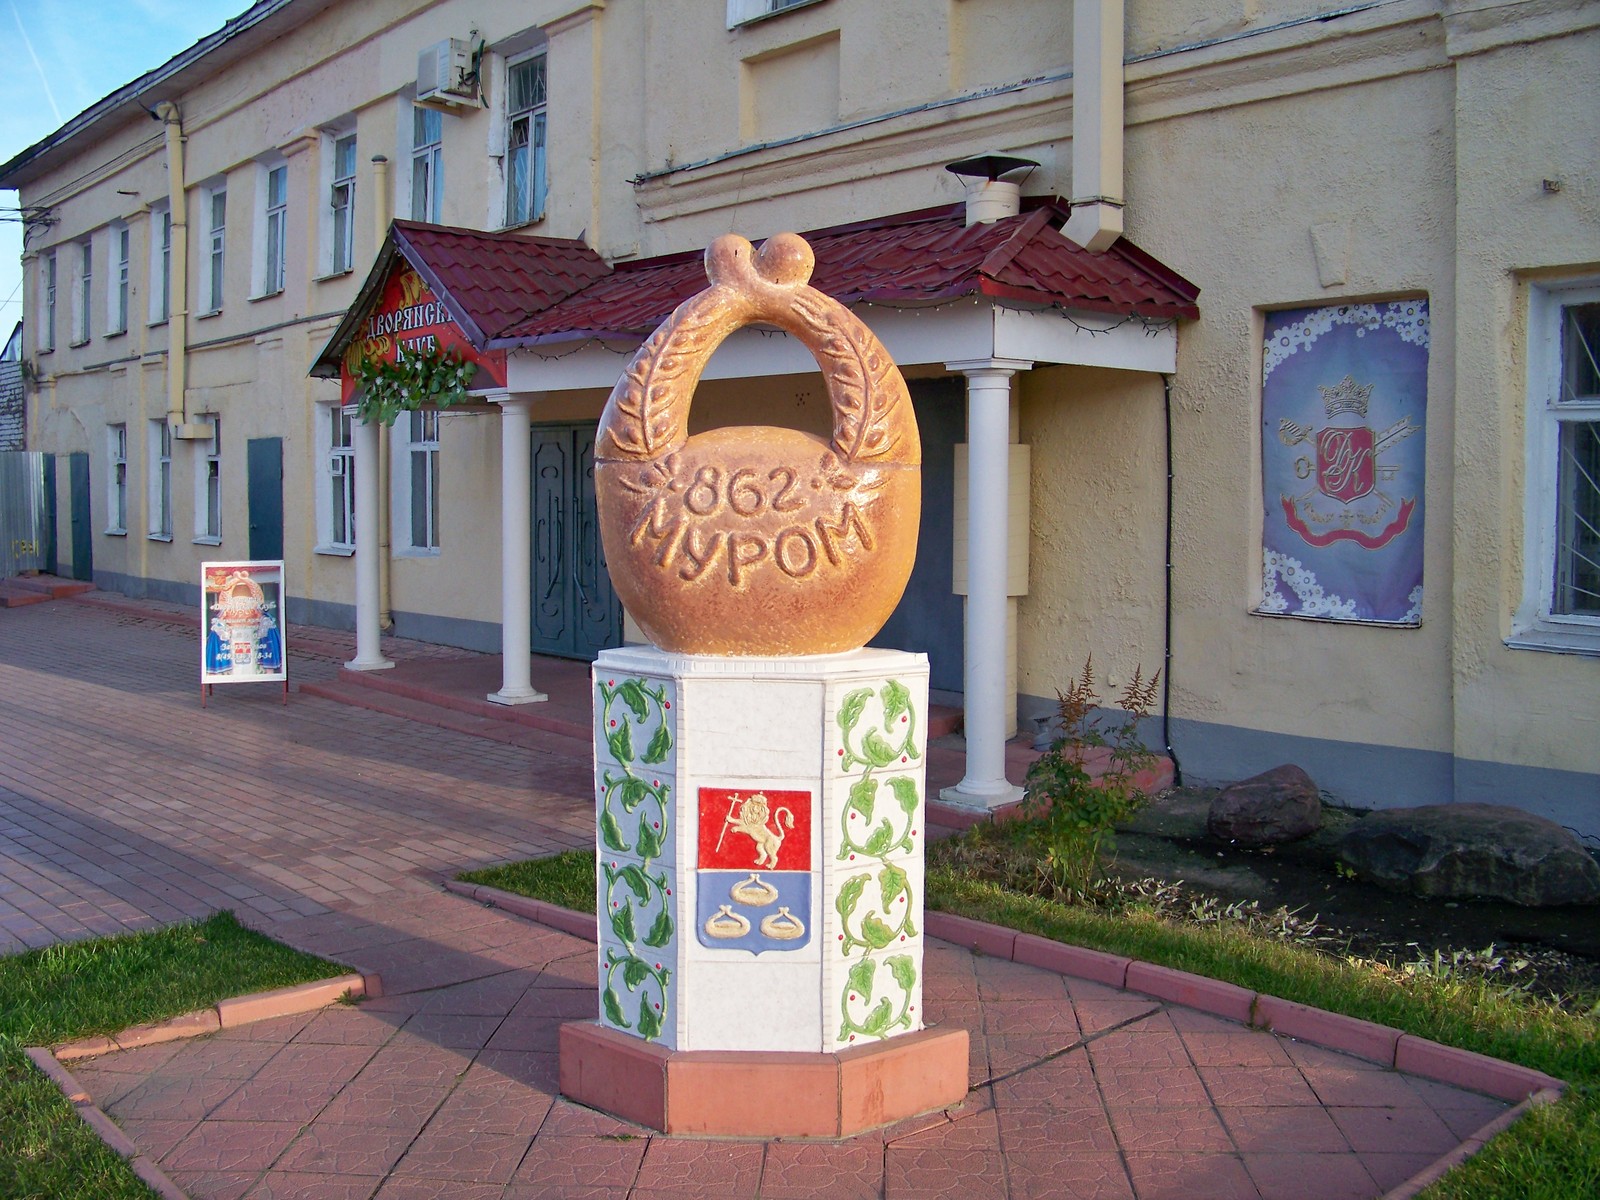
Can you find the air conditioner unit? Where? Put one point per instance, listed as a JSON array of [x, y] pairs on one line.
[[444, 72]]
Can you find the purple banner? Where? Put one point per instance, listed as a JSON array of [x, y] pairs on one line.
[[1344, 392]]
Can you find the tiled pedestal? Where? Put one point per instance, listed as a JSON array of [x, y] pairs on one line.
[[760, 826]]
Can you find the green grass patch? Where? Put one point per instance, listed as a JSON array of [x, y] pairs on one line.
[[81, 989], [566, 879], [1552, 1154]]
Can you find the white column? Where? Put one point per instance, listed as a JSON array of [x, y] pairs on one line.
[[988, 476], [364, 435], [516, 604]]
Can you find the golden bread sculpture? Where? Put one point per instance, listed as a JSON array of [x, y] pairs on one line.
[[755, 540]]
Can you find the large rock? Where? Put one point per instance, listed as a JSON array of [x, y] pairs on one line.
[[1275, 806], [1473, 850]]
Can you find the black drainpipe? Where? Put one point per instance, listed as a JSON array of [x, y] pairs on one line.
[[1166, 676]]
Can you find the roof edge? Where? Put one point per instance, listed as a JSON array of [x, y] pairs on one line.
[[106, 105]]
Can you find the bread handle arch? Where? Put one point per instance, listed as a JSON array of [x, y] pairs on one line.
[[647, 415]]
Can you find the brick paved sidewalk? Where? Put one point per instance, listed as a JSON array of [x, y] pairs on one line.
[[446, 1087], [124, 804]]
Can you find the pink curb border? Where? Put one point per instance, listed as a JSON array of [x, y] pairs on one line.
[[226, 1014], [1435, 1171], [580, 925]]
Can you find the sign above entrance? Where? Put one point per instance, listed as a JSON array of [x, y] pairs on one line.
[[408, 319]]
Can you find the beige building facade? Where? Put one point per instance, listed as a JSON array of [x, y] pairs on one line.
[[201, 236]]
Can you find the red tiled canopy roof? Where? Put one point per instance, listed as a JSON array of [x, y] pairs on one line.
[[490, 280], [911, 258], [507, 290]]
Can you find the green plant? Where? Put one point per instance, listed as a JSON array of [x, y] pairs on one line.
[[1074, 809], [434, 378]]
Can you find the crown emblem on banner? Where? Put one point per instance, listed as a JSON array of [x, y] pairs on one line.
[[1345, 396]]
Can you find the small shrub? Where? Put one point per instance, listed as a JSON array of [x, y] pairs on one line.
[[1074, 811]]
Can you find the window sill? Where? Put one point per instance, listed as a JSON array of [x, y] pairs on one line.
[[75, 345], [115, 333], [265, 296], [159, 537], [336, 551], [208, 541], [1566, 639], [531, 221], [158, 323], [417, 552], [332, 275], [116, 533], [206, 316]]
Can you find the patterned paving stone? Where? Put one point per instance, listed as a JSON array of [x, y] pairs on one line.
[[1053, 1131], [931, 1172], [716, 1168], [555, 1161], [298, 1185], [850, 1170], [1046, 1175], [1162, 1129], [454, 1151], [1306, 1129], [231, 1146], [329, 1149], [1189, 1176], [1305, 1176]]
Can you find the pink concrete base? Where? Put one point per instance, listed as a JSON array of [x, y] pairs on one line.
[[762, 1094]]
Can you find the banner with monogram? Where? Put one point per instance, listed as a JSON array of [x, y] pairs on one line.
[[1344, 391]]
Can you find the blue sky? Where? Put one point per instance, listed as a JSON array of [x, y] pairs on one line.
[[65, 55]]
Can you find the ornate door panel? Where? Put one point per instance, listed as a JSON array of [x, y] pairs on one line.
[[575, 611]]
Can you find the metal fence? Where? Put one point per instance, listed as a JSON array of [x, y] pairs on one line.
[[24, 514]]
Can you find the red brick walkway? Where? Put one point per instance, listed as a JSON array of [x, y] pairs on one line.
[[123, 804]]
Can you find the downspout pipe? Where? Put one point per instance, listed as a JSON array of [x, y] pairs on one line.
[[1166, 655], [178, 316], [1097, 49], [380, 213]]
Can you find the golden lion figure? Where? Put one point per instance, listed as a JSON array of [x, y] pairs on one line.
[[751, 820]]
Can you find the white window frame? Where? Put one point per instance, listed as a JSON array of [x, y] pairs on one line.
[[160, 263], [214, 262], [83, 292], [1536, 625], [208, 484], [160, 488], [49, 276], [745, 12], [336, 478], [269, 245], [338, 218], [520, 210], [117, 480], [416, 446], [119, 250], [427, 158]]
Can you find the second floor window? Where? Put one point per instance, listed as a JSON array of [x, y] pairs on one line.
[[82, 293], [47, 285], [342, 203], [216, 244], [117, 306], [160, 264], [525, 141], [277, 221], [427, 164]]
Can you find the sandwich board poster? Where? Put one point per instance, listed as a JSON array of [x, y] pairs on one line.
[[242, 627]]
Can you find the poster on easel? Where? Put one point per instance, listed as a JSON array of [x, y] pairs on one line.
[[242, 626]]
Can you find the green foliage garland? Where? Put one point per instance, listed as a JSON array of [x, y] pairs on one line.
[[423, 378]]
